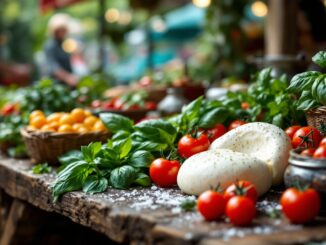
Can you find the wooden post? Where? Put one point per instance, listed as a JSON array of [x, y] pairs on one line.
[[281, 28]]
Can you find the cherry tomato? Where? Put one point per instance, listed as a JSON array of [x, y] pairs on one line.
[[235, 124], [320, 152], [245, 105], [146, 81], [300, 206], [96, 104], [242, 187], [118, 104], [132, 107], [8, 109], [211, 205], [108, 105], [150, 105], [308, 137], [290, 131], [164, 172], [323, 141], [308, 152], [240, 210], [189, 145], [215, 132]]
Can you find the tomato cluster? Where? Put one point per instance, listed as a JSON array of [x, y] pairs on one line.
[[118, 104], [308, 138], [237, 203]]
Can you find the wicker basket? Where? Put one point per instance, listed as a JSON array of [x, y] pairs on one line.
[[48, 146], [316, 117]]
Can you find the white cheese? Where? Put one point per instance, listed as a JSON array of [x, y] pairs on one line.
[[261, 140], [206, 170]]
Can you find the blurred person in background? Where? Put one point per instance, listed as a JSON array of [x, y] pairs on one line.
[[58, 62]]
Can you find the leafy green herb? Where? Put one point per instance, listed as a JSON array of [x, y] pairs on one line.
[[188, 205], [320, 59], [42, 169]]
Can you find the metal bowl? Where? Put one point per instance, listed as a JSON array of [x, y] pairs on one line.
[[307, 171]]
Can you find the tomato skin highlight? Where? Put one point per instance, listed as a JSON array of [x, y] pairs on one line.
[[320, 152], [164, 172], [211, 205], [215, 132], [250, 192], [290, 131], [235, 124], [311, 133], [308, 152], [240, 210], [300, 206], [188, 146], [323, 142]]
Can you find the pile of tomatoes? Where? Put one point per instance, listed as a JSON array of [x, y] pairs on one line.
[[117, 104], [309, 139], [77, 121]]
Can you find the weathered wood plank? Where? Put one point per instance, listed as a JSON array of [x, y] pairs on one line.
[[149, 215]]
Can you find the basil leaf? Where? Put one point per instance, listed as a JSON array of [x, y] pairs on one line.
[[89, 152], [71, 156], [122, 147], [319, 89], [141, 159], [303, 81], [143, 180], [70, 178], [94, 184], [115, 122], [41, 168], [123, 177], [190, 112], [306, 102], [212, 117], [320, 59], [159, 124], [149, 146]]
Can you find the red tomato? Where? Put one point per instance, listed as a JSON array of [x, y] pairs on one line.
[[323, 141], [240, 210], [308, 137], [211, 205], [146, 81], [241, 188], [308, 152], [235, 124], [108, 105], [320, 152], [189, 146], [132, 107], [215, 132], [150, 105], [290, 131], [164, 172], [300, 206], [96, 104], [245, 105], [118, 104], [8, 109]]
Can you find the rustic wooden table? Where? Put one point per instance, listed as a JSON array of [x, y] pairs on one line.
[[139, 215]]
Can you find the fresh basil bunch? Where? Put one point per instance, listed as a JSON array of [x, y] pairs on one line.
[[311, 85]]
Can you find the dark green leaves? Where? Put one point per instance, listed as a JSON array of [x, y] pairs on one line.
[[141, 159], [89, 152], [95, 184], [303, 81], [212, 117], [320, 59], [115, 122], [123, 177], [306, 101], [42, 169]]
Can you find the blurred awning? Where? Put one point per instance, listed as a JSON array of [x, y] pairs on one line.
[[46, 5]]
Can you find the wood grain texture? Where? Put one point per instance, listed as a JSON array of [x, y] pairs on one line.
[[150, 216]]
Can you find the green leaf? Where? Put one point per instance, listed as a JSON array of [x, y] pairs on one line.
[[303, 81], [123, 177], [306, 101], [190, 113], [71, 156], [71, 178], [122, 147], [41, 169], [188, 205], [212, 117], [143, 180], [320, 59], [95, 184], [319, 89], [141, 159], [115, 122], [89, 152], [278, 120]]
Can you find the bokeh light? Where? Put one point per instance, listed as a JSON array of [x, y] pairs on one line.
[[259, 9], [201, 3]]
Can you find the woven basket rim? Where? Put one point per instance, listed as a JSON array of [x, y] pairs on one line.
[[318, 110], [44, 134]]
